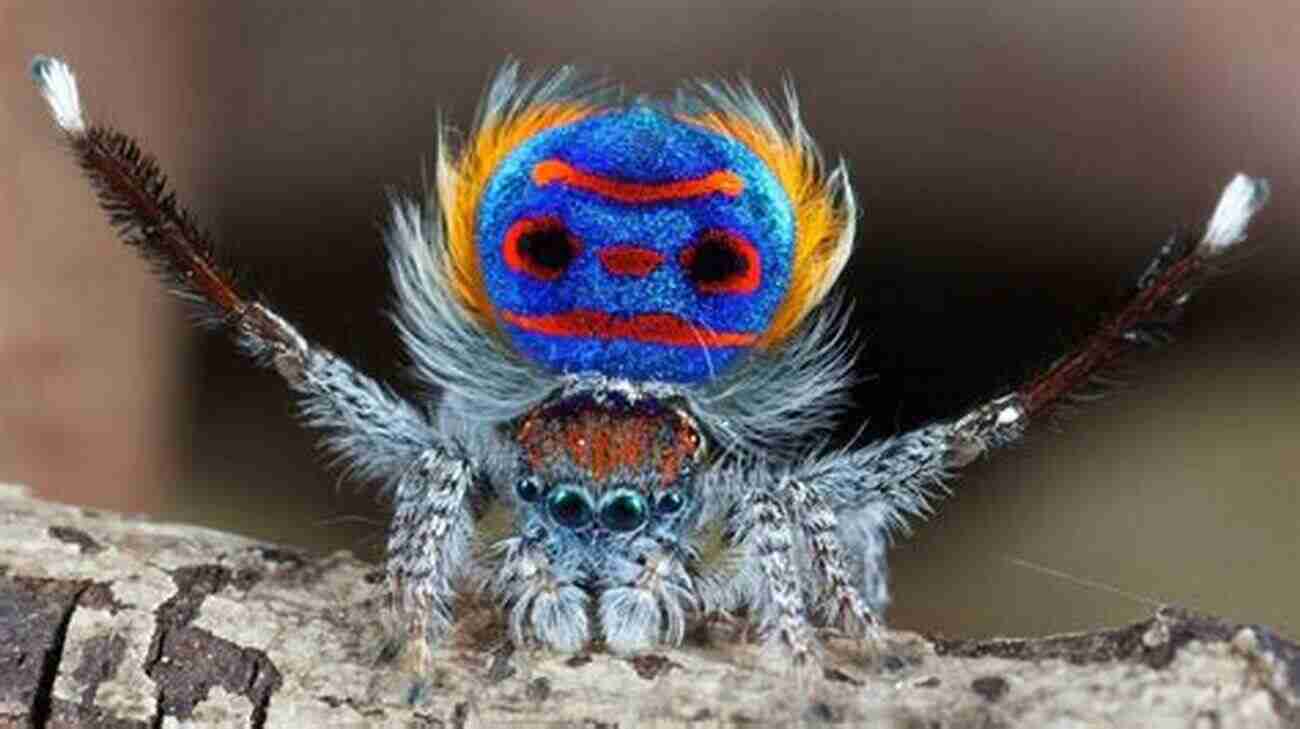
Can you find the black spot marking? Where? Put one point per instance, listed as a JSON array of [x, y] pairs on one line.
[[99, 596], [894, 662], [281, 556], [335, 702], [578, 660], [538, 690], [823, 713], [835, 674], [992, 688], [652, 665], [502, 666], [68, 535], [460, 715], [245, 578]]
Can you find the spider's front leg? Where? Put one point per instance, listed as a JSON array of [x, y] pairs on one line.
[[1156, 301], [367, 427], [840, 507], [646, 592], [876, 488]]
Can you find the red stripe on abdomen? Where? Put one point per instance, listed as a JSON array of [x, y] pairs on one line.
[[650, 328], [554, 171]]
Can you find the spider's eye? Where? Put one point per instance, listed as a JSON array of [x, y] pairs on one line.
[[569, 506], [540, 247], [722, 262], [670, 502], [529, 489], [623, 511]]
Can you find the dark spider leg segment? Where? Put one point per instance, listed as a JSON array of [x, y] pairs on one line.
[[904, 470], [898, 477], [368, 426], [1178, 270]]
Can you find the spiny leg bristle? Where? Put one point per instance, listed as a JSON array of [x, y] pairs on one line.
[[59, 87]]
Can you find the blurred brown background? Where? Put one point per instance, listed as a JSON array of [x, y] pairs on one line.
[[1017, 164]]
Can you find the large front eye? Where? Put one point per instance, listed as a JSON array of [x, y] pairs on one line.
[[722, 262], [540, 247], [622, 511], [570, 506]]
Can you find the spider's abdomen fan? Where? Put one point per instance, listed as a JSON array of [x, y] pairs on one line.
[[644, 241]]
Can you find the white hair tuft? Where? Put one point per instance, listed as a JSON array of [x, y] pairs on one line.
[[1241, 199], [59, 87]]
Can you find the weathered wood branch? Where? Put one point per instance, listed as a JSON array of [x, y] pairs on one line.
[[112, 622]]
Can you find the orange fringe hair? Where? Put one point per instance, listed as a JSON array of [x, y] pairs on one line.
[[462, 180], [822, 202]]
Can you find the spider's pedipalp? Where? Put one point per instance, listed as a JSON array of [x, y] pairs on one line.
[[539, 592], [369, 427], [646, 595]]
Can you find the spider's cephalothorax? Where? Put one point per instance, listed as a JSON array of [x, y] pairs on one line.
[[620, 306]]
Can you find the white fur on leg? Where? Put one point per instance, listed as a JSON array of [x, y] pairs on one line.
[[629, 619]]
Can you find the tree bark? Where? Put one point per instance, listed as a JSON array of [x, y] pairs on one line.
[[107, 621]]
